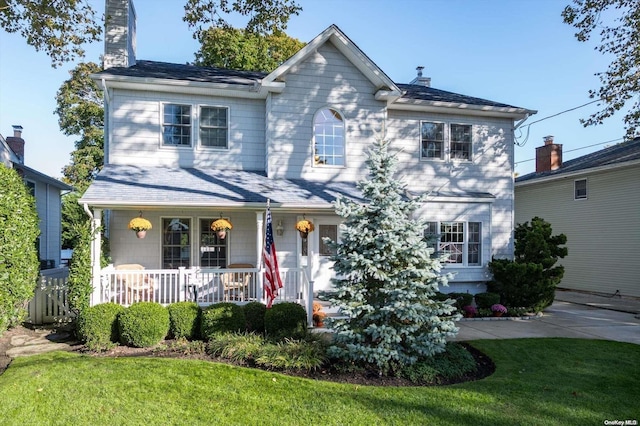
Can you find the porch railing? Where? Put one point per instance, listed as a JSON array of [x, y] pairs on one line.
[[203, 286]]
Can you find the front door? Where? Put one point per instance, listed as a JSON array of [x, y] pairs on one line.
[[322, 266]]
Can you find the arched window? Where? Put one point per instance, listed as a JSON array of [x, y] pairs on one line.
[[328, 131]]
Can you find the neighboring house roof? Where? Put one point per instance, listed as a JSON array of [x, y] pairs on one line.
[[30, 173], [618, 155], [7, 156], [218, 81]]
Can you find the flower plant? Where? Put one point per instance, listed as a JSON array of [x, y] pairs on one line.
[[469, 309], [221, 225], [138, 224], [498, 308], [305, 226]]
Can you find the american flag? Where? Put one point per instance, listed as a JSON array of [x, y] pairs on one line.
[[272, 273]]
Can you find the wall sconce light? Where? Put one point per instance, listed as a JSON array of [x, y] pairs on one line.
[[279, 228]]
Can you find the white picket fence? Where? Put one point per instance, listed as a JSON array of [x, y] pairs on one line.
[[50, 302]]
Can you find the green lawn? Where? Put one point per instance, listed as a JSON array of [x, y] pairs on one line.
[[537, 381]]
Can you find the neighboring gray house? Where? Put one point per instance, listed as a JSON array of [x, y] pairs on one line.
[[186, 145], [595, 201], [47, 192]]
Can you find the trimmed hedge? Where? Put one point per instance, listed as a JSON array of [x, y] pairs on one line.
[[184, 320], [143, 324], [254, 313], [286, 320], [486, 300], [97, 326], [222, 318]]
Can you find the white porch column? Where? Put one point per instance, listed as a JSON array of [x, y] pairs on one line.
[[259, 243], [96, 240]]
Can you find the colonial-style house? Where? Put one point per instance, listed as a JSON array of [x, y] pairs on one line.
[[593, 200], [47, 192], [187, 145]]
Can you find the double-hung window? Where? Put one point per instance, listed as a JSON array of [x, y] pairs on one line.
[[432, 136], [176, 125], [461, 141], [459, 242], [214, 126], [328, 132]]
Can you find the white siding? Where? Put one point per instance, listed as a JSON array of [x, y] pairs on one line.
[[325, 79], [603, 231], [135, 136]]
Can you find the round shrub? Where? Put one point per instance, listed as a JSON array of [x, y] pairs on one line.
[[143, 324], [286, 320], [184, 319], [97, 326], [254, 313], [486, 300], [221, 318]]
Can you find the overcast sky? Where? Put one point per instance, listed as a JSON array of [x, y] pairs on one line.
[[517, 52]]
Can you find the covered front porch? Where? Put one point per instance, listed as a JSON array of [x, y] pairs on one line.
[[182, 258]]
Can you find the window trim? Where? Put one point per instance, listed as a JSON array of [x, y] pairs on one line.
[[314, 163], [575, 189], [465, 242], [162, 239], [443, 156], [446, 143], [199, 125], [198, 244], [450, 150], [191, 126]]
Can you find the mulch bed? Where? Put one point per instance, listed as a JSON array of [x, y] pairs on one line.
[[486, 367]]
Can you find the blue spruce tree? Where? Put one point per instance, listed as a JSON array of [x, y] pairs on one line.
[[387, 276]]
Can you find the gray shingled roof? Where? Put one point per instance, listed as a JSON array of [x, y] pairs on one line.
[[616, 154], [168, 71], [120, 185], [419, 92], [161, 186]]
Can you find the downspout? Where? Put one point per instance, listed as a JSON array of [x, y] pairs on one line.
[[95, 254]]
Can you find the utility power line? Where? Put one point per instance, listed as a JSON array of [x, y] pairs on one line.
[[577, 149]]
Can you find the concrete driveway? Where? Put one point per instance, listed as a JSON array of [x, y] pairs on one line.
[[562, 319]]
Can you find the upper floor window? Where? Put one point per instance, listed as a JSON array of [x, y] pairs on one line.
[[31, 187], [459, 242], [328, 132], [461, 141], [432, 140], [214, 126], [176, 125], [580, 189]]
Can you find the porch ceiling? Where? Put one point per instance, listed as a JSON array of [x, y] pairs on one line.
[[120, 186]]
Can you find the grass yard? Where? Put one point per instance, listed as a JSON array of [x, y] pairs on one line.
[[537, 382]]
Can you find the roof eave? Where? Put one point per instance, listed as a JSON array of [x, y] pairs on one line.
[[112, 204], [252, 91], [455, 107]]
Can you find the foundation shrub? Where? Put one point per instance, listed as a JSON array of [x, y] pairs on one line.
[[285, 320], [184, 320], [97, 326], [254, 313], [221, 318], [143, 324]]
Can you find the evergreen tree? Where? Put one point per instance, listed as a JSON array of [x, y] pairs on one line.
[[387, 278]]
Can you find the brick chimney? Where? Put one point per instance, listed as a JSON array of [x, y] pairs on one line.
[[548, 156], [420, 80], [16, 143], [119, 34]]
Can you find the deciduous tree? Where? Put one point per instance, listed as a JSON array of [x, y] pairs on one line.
[[243, 50], [617, 23], [59, 28]]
